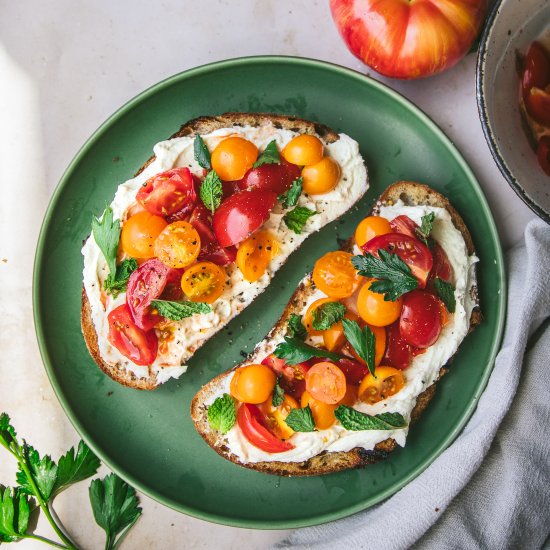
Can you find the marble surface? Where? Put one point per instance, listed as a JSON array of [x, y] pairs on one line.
[[66, 66]]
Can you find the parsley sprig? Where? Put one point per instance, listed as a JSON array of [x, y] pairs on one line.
[[117, 284], [290, 198], [362, 341], [106, 234]]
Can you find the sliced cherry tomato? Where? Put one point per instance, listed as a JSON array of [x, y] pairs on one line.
[[321, 177], [292, 376], [374, 310], [139, 233], [537, 104], [168, 192], [543, 154], [274, 177], [371, 227], [203, 282], [420, 321], [333, 337], [350, 398], [442, 268], [241, 214], [380, 345], [303, 150], [276, 416], [178, 245], [233, 157], [404, 225], [255, 254], [253, 424], [335, 275], [353, 370], [253, 384], [398, 352], [326, 382], [536, 69], [172, 291], [323, 413], [415, 254], [387, 381], [134, 343]]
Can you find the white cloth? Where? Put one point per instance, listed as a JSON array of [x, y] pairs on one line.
[[491, 487]]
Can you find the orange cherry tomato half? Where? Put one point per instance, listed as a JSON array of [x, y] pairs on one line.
[[233, 157], [276, 416], [303, 150], [350, 397], [252, 384], [326, 382], [371, 227], [139, 233], [254, 254], [386, 382], [335, 275], [374, 309], [333, 337], [308, 317], [321, 177], [323, 413], [178, 245], [203, 282]]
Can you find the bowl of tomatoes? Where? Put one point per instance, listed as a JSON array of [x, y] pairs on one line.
[[513, 96]]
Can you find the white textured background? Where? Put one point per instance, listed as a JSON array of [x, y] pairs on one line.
[[65, 66]]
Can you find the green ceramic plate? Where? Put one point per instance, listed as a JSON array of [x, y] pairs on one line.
[[148, 437]]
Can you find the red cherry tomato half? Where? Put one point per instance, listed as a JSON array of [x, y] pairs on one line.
[[398, 352], [241, 214], [404, 225], [415, 254], [134, 343], [536, 69], [168, 192], [275, 177], [420, 321], [442, 268], [543, 153], [353, 370], [253, 425], [292, 376]]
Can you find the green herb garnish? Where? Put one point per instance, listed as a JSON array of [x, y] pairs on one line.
[[423, 232], [117, 284], [107, 234], [221, 414], [176, 311], [294, 351], [446, 292], [296, 327], [202, 154], [211, 191], [352, 419], [328, 314], [270, 155], [362, 341], [278, 394], [296, 218], [290, 198], [301, 420]]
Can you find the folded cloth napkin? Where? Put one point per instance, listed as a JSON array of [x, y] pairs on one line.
[[491, 487]]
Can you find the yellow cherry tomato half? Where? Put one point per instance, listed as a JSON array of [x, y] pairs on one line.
[[233, 157], [386, 382], [139, 233], [255, 253], [371, 227], [326, 382], [276, 416], [203, 282], [323, 413], [321, 177], [178, 245], [303, 150], [252, 384], [335, 275], [374, 309]]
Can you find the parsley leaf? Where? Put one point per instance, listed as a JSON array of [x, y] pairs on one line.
[[211, 191], [176, 311], [43, 471], [117, 284], [328, 314], [107, 234], [294, 351], [270, 155], [221, 414], [446, 292], [290, 198], [423, 232], [352, 419], [202, 154], [395, 276], [362, 341], [278, 394], [301, 420], [72, 468], [296, 327], [14, 514], [297, 218], [115, 507], [8, 437]]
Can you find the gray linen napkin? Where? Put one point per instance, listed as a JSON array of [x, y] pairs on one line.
[[491, 487]]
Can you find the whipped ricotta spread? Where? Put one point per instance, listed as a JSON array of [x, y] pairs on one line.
[[423, 371], [189, 334]]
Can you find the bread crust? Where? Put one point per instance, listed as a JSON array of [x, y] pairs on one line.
[[411, 193], [201, 125]]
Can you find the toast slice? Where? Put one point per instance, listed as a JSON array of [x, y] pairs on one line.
[[118, 371], [411, 194]]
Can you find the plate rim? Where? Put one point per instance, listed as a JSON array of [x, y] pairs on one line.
[[234, 521]]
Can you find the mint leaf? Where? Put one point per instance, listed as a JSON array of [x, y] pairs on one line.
[[106, 235], [446, 292], [395, 276], [202, 154], [117, 284], [352, 419], [211, 191], [301, 420], [74, 467], [423, 232], [14, 514], [278, 394], [270, 155], [290, 198], [294, 351], [362, 341], [43, 470], [296, 327], [297, 218], [328, 314], [221, 414], [115, 507], [8, 437], [176, 311]]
